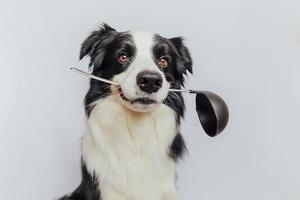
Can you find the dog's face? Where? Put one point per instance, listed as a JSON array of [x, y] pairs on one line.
[[145, 65]]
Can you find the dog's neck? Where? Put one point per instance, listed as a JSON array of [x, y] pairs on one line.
[[128, 151]]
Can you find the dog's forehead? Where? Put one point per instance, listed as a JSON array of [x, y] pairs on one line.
[[143, 41]]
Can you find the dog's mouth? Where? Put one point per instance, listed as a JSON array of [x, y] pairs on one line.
[[145, 101]]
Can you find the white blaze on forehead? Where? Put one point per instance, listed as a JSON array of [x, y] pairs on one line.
[[144, 42]]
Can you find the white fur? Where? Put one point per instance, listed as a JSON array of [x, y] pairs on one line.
[[128, 151], [143, 61]]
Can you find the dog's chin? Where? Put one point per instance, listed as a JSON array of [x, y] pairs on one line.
[[138, 104], [139, 107]]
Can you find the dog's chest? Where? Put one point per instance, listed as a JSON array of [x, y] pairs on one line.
[[129, 151]]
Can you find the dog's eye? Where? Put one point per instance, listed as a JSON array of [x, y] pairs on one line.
[[123, 59], [163, 63]]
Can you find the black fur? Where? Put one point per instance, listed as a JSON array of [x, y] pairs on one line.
[[103, 47], [184, 55], [177, 148], [178, 56], [87, 190]]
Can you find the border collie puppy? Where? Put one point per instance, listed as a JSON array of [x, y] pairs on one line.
[[132, 139]]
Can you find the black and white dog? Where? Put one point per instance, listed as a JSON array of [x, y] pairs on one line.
[[132, 139]]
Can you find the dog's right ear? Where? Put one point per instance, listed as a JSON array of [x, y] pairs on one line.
[[96, 41]]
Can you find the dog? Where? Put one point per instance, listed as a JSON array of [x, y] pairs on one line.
[[132, 139]]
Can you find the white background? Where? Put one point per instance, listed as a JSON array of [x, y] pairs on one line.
[[247, 51]]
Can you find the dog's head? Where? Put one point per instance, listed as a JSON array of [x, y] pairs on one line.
[[145, 65]]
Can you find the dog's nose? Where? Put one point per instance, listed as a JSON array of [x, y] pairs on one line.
[[149, 81]]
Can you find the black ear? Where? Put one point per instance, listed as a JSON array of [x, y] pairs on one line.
[[183, 53], [96, 42]]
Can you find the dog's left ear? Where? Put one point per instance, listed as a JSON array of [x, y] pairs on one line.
[[184, 54]]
